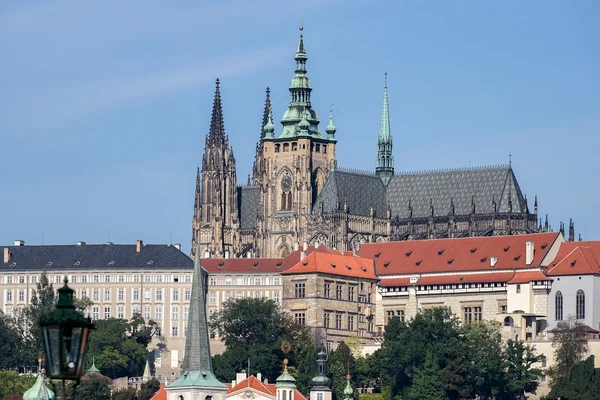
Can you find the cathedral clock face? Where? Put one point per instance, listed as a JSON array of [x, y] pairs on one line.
[[286, 183]]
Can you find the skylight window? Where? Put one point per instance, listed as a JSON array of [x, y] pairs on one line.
[[408, 253], [473, 250], [506, 248], [441, 252], [418, 263]]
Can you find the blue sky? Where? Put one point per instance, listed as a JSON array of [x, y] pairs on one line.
[[104, 106]]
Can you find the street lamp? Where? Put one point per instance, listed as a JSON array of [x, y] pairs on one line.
[[65, 335]]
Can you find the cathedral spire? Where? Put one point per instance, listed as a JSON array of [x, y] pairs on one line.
[[266, 112], [217, 126], [385, 156]]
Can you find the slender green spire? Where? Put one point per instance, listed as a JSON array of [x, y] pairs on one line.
[[385, 156], [93, 370], [269, 129], [384, 132]]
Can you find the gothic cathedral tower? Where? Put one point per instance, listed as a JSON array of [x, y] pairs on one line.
[[215, 223], [385, 156], [295, 165]]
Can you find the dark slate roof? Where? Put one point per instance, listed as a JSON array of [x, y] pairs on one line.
[[460, 185], [359, 190], [249, 202], [95, 257], [363, 190]]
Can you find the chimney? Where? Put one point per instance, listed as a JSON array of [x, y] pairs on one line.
[[259, 376], [19, 243], [493, 261], [226, 254], [266, 381], [249, 254], [207, 254], [177, 246], [303, 252], [316, 244], [138, 245], [240, 376], [529, 252], [80, 243], [6, 254], [296, 246]]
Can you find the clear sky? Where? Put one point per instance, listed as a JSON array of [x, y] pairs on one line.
[[104, 105]]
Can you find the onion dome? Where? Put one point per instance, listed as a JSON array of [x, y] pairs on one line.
[[348, 391], [304, 124], [285, 379], [330, 129], [39, 390], [321, 382]]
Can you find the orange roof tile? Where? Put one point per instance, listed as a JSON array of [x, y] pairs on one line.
[[253, 383], [529, 276], [161, 394], [335, 264], [453, 255], [268, 389], [576, 258], [259, 265]]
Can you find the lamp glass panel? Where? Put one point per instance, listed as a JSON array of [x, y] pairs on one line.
[[52, 339]]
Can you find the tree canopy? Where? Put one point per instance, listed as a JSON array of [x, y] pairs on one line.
[[582, 382], [252, 330], [570, 347]]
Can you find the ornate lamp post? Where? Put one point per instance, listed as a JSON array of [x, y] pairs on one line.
[[65, 335]]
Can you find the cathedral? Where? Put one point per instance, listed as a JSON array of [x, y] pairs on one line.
[[298, 194]]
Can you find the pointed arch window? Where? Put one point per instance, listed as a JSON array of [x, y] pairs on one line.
[[286, 193], [558, 306], [580, 305]]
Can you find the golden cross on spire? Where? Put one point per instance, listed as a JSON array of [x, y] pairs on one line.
[[331, 111]]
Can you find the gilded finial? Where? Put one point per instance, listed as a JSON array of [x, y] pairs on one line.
[[331, 111], [301, 27]]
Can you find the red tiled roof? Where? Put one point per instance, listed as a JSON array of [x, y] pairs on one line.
[[259, 265], [335, 264], [576, 258], [529, 276], [268, 389], [253, 383], [453, 255], [161, 394]]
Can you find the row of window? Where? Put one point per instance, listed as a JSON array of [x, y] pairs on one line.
[[450, 286], [579, 305], [135, 294], [314, 147], [244, 281], [146, 313], [470, 314], [97, 278], [212, 296]]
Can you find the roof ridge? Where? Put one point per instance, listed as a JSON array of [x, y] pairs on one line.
[[356, 171], [454, 169]]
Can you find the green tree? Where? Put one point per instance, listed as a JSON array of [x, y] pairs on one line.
[[10, 344], [520, 376], [149, 389], [13, 383], [570, 347], [581, 383], [125, 394], [428, 381], [339, 363], [91, 387], [253, 330], [484, 346], [121, 348]]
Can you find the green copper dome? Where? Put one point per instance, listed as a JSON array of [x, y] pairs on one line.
[[321, 382], [93, 370], [330, 128], [285, 379], [348, 391], [39, 391], [269, 128]]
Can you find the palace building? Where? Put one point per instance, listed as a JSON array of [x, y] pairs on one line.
[[298, 194]]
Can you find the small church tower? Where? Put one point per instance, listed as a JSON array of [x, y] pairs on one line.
[[320, 385], [215, 222], [285, 385], [197, 380], [385, 156]]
